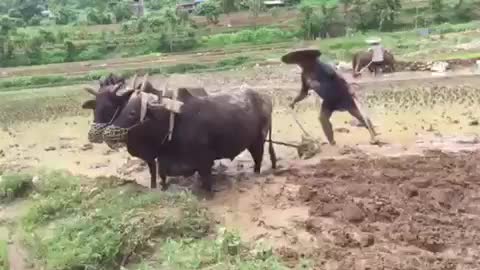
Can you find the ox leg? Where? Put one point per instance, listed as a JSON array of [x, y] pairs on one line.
[[325, 115], [256, 150], [163, 177], [206, 175], [152, 167], [206, 178]]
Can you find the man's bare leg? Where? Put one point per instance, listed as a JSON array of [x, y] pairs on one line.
[[355, 112], [325, 115]]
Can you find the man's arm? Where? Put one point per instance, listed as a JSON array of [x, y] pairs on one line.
[[302, 95]]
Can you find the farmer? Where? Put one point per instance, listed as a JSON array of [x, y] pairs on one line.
[[330, 86], [377, 54]]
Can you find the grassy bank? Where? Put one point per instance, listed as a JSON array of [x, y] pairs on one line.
[[12, 84], [106, 223]]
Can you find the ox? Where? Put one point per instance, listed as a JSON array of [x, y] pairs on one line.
[[187, 134]]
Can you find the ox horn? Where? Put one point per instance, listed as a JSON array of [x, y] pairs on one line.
[[144, 84], [91, 90]]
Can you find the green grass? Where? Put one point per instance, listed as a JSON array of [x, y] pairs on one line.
[[104, 223], [4, 263], [75, 223], [41, 104], [14, 186], [254, 37], [226, 251], [13, 84]]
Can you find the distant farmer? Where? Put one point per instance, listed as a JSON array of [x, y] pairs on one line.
[[377, 54], [330, 86]]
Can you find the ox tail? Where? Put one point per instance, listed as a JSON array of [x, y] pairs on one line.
[[271, 151]]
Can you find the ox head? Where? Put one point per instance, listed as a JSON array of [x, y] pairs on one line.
[[140, 107], [109, 99]]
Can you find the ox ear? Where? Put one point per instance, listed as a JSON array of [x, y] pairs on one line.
[[89, 104]]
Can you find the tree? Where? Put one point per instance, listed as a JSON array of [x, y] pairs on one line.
[[255, 7], [210, 10], [27, 9], [8, 27], [65, 15], [307, 21], [228, 6], [375, 14], [121, 10]]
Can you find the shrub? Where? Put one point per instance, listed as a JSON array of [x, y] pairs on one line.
[[14, 186], [210, 10]]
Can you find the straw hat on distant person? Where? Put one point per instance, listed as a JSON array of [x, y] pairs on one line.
[[373, 40]]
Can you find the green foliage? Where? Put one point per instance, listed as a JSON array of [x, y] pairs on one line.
[[255, 7], [160, 4], [65, 15], [4, 263], [228, 6], [225, 252], [26, 9], [318, 24], [211, 10], [14, 186], [60, 195], [103, 225], [376, 14], [233, 62], [258, 36], [97, 16], [122, 11]]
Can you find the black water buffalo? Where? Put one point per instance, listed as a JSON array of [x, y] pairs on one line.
[[203, 130]]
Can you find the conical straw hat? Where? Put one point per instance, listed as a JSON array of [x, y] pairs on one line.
[[300, 55]]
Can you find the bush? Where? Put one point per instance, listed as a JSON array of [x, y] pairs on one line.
[[65, 16], [95, 16], [122, 11], [210, 10], [14, 186]]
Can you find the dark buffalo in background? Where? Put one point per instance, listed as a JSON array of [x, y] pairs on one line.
[[362, 59], [206, 128]]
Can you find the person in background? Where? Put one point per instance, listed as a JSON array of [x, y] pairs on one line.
[[377, 55]]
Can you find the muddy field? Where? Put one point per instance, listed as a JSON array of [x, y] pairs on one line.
[[403, 204]]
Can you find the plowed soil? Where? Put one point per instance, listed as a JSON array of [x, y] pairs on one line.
[[411, 212]]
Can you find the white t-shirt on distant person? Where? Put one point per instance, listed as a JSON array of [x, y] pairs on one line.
[[377, 53]]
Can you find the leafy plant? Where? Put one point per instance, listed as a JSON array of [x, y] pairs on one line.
[[211, 10], [4, 263], [14, 186]]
